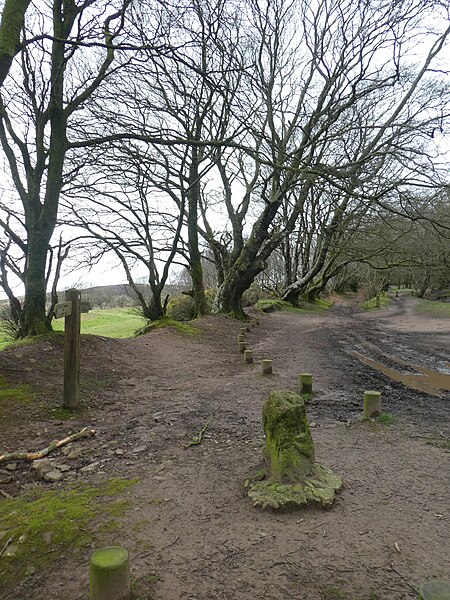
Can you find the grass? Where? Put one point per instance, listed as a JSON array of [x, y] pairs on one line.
[[433, 308], [12, 398], [41, 526], [371, 304], [386, 418], [114, 323]]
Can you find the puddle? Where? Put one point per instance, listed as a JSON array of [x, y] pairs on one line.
[[425, 380]]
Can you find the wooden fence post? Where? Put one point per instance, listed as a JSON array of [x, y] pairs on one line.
[[72, 351]]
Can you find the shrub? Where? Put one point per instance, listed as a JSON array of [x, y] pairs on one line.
[[181, 308]]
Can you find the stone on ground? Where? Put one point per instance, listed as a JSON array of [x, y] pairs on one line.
[[290, 476]]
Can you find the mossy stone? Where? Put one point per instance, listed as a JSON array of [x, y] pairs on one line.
[[435, 590], [289, 447], [290, 477]]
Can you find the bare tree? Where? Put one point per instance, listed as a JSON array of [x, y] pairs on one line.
[[41, 101]]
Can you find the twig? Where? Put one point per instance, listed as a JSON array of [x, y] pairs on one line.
[[197, 439], [29, 456], [413, 587]]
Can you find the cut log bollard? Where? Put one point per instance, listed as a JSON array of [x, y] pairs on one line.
[[242, 347], [377, 301], [242, 331], [396, 293], [247, 328], [266, 367], [240, 338], [110, 574], [248, 356], [435, 590], [305, 383], [372, 404]]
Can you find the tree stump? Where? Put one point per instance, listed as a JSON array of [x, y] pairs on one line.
[[435, 590], [290, 476], [248, 356], [266, 367], [110, 574], [372, 404], [305, 383]]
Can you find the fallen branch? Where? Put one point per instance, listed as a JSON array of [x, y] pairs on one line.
[[29, 456], [197, 439], [5, 494]]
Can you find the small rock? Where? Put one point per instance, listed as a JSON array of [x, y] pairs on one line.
[[42, 466], [64, 468], [47, 536], [139, 449], [74, 453], [119, 452], [11, 550], [29, 571], [89, 468], [11, 466], [70, 473], [53, 476]]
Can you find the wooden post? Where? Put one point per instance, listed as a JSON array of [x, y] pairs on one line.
[[266, 367], [248, 356], [306, 383], [377, 301], [72, 324], [110, 574], [242, 331], [372, 404], [240, 338], [242, 347]]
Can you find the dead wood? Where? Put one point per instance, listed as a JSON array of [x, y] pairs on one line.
[[29, 456]]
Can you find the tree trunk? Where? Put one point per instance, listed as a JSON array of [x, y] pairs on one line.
[[154, 310], [195, 259], [33, 319]]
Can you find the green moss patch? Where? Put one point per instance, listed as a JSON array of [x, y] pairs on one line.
[[40, 527], [182, 327], [13, 399], [371, 304]]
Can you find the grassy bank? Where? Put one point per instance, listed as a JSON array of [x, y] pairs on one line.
[[114, 323]]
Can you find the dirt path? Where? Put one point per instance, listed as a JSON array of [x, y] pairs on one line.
[[191, 530]]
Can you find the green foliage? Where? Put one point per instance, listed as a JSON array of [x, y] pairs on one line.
[[386, 418], [42, 525], [251, 296], [371, 304], [181, 308]]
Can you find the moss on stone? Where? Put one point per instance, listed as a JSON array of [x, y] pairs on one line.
[[290, 477], [320, 489], [289, 447], [42, 525]]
